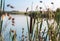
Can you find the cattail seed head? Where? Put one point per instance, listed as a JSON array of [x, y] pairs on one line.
[[13, 19], [13, 24], [9, 18]]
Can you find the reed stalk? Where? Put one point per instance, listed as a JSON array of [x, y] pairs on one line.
[[28, 28]]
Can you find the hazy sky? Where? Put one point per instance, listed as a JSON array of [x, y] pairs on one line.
[[21, 5]]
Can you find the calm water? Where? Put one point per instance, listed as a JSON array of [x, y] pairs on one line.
[[20, 22]]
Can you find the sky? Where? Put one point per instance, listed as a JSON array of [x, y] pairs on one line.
[[21, 5]]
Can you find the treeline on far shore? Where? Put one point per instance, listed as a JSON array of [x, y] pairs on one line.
[[57, 12]]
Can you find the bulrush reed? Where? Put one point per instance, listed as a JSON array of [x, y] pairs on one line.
[[3, 17], [43, 27]]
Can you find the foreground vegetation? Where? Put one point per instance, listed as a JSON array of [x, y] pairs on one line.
[[53, 32], [34, 32]]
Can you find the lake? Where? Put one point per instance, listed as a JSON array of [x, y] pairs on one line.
[[21, 22]]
